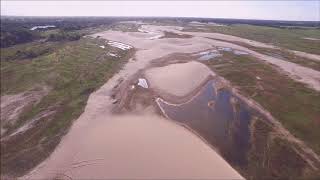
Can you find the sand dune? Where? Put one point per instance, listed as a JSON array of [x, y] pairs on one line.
[[178, 79]]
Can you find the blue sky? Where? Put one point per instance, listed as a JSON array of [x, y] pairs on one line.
[[273, 10]]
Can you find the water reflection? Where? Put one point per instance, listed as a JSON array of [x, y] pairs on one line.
[[218, 116]]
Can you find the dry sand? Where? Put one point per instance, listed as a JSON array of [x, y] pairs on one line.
[[306, 55], [178, 79], [136, 147]]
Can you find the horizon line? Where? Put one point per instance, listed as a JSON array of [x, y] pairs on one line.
[[56, 16]]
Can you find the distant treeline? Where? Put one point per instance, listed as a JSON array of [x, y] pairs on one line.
[[271, 23], [16, 35], [15, 30], [62, 35]]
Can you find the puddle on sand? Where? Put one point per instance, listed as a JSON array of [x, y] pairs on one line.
[[227, 49], [237, 52], [234, 51], [216, 119], [208, 55]]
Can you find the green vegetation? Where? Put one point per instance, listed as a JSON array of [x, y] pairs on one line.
[[16, 30], [272, 157], [16, 36], [293, 104], [23, 35], [64, 36], [26, 51], [72, 70], [286, 38]]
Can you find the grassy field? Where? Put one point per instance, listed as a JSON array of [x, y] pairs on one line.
[[272, 157], [286, 38], [72, 70], [293, 104]]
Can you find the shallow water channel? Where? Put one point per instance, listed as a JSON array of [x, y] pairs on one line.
[[219, 117]]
